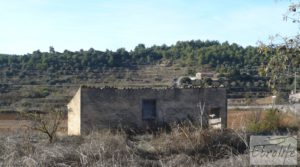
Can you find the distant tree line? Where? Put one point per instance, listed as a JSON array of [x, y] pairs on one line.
[[213, 54]]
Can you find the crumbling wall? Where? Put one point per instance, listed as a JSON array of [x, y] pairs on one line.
[[74, 114], [110, 107]]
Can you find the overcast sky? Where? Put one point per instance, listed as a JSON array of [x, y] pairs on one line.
[[28, 25]]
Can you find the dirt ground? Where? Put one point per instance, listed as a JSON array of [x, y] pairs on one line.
[[263, 101], [13, 123]]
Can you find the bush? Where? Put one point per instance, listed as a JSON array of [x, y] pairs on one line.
[[191, 72], [185, 81], [281, 97], [267, 123], [272, 120], [37, 93], [184, 139]]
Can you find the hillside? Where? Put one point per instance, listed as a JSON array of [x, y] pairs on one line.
[[33, 81]]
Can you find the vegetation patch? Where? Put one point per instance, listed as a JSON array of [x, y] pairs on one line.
[[270, 121], [183, 145]]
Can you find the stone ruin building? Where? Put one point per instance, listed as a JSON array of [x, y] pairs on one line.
[[97, 108]]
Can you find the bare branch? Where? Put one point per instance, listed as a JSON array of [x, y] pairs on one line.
[[47, 123]]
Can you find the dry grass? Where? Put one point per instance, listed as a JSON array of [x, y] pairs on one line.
[[212, 143], [184, 146], [272, 121], [239, 119], [236, 119], [290, 120], [263, 101], [97, 149]]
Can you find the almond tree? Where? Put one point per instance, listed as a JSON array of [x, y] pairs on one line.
[[47, 123], [285, 53]]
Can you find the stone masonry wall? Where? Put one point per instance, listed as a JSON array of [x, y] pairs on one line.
[[110, 107], [74, 116]]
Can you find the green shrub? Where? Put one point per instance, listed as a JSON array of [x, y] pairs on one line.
[[254, 127], [186, 81], [281, 97], [36, 93], [270, 122]]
